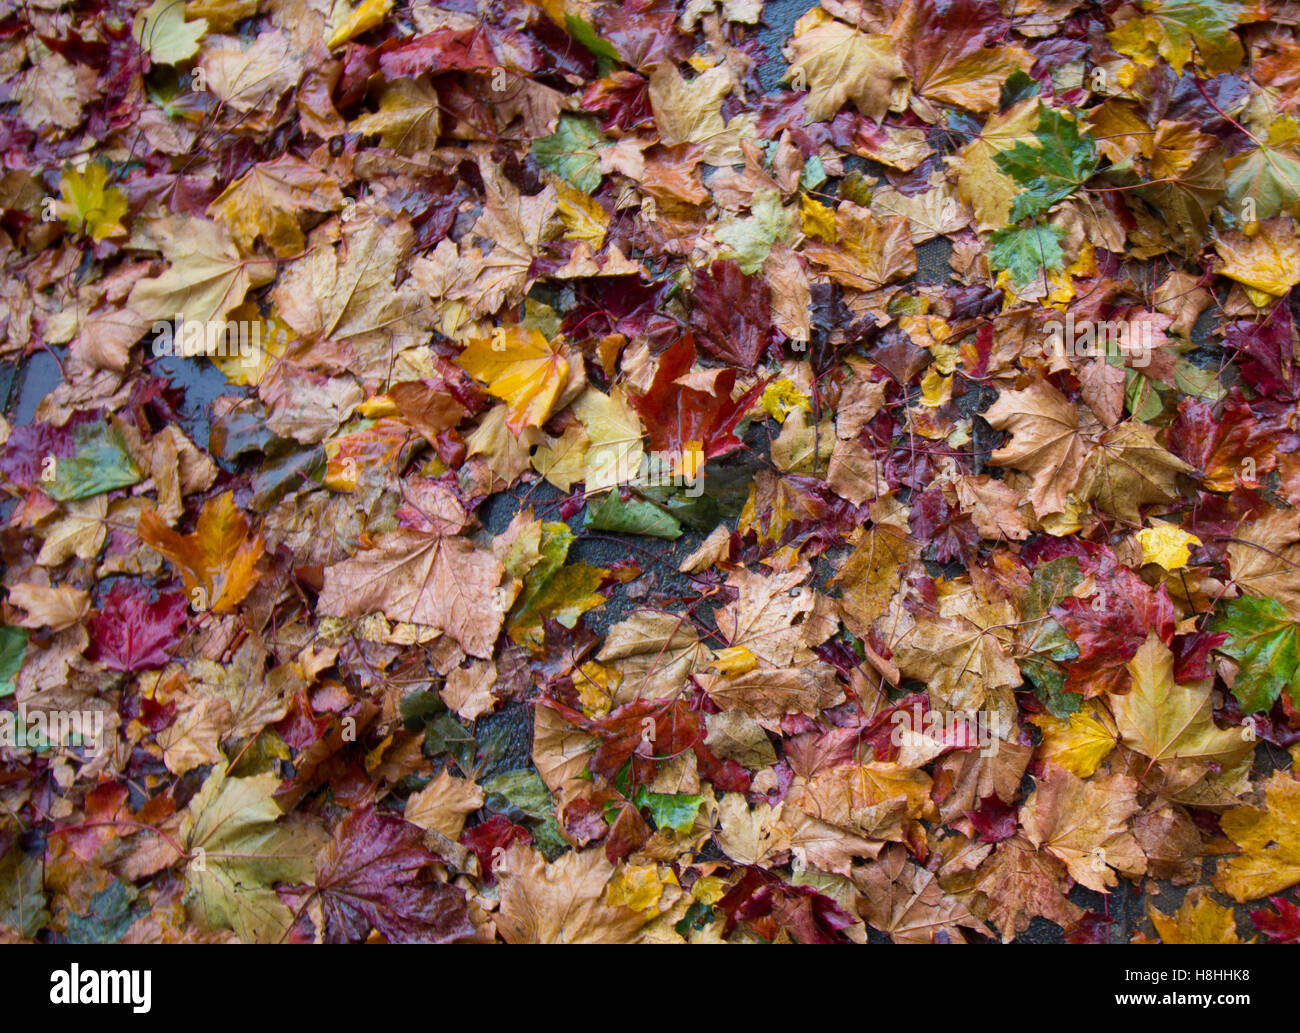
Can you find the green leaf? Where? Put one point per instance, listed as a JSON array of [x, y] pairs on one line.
[[109, 917], [22, 893], [444, 734], [1267, 176], [163, 31], [554, 590], [13, 647], [630, 516], [1265, 642], [1026, 252], [749, 240], [1019, 86], [101, 463], [1062, 161], [524, 791], [814, 173], [1181, 27], [1048, 644], [585, 34], [1141, 397], [674, 811], [570, 151], [238, 849]]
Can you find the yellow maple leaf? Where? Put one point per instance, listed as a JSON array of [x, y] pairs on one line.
[[1080, 744], [1167, 545], [1198, 920], [1166, 721], [584, 217], [522, 368], [1269, 839], [218, 561], [640, 886], [362, 18], [89, 205], [1267, 264]]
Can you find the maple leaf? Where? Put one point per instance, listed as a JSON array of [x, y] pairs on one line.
[[1265, 642], [444, 804], [868, 252], [439, 581], [88, 204], [1180, 28], [948, 57], [679, 417], [239, 846], [872, 575], [132, 631], [521, 367], [1027, 253], [1270, 853], [1269, 177], [907, 902], [1167, 546], [218, 560], [1166, 721], [1128, 468], [1280, 926], [266, 200], [1267, 264], [1023, 883], [1054, 167], [1085, 824], [1198, 920], [963, 652], [731, 314], [165, 35], [353, 21], [1079, 744], [763, 618], [614, 451], [691, 112], [839, 62], [1223, 442], [344, 307], [560, 902], [1264, 557], [409, 118], [207, 276], [369, 877], [571, 151], [1047, 441]]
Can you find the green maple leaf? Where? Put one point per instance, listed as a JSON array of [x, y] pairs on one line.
[[1265, 642], [554, 590], [163, 31], [1178, 27], [674, 811], [1267, 176], [1025, 252], [101, 463], [1048, 644], [1053, 168], [237, 849], [570, 151]]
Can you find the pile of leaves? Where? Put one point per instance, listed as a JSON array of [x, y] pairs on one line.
[[927, 622]]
